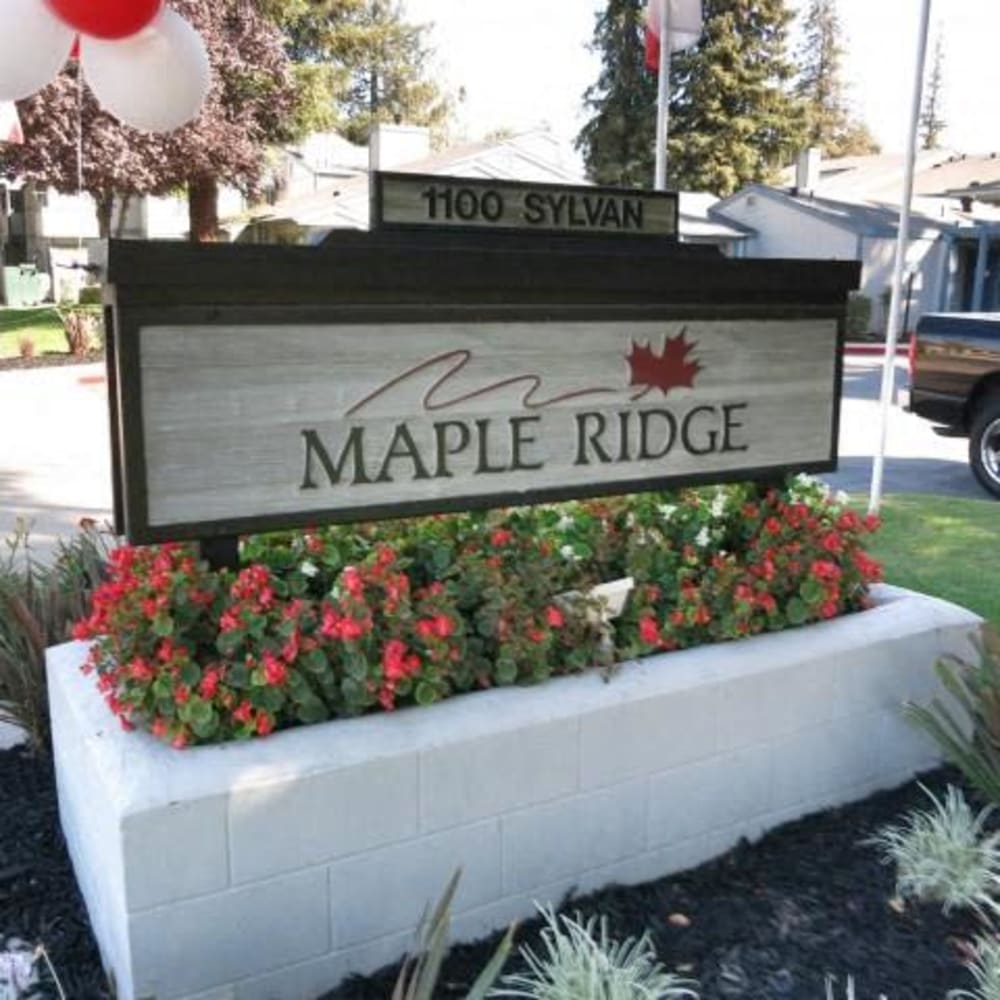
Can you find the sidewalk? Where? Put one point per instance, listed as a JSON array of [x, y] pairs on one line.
[[54, 457]]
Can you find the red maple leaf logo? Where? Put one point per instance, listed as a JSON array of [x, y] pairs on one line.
[[672, 369]]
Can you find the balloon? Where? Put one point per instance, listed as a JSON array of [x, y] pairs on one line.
[[106, 18], [74, 53], [34, 44], [155, 81]]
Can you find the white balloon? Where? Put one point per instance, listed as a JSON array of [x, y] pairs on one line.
[[34, 46], [155, 81]]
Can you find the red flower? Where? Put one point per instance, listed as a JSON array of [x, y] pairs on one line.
[[275, 672], [832, 543], [677, 618], [394, 659], [182, 694], [649, 631], [353, 583], [444, 626], [823, 569], [265, 723], [772, 526], [180, 741], [210, 683], [828, 609], [501, 537], [243, 712], [159, 727], [554, 617]]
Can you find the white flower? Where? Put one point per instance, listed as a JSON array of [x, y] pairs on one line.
[[667, 511], [565, 523], [308, 568], [718, 504], [842, 497], [569, 553], [701, 539]]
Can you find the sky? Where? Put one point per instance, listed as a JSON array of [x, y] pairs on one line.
[[524, 62]]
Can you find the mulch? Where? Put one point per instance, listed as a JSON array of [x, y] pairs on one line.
[[766, 921]]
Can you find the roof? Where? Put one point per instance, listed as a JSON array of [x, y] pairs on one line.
[[698, 221], [930, 216], [879, 178]]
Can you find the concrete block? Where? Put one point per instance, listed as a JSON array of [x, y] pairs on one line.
[[281, 826], [363, 910], [153, 841], [216, 940], [528, 765], [708, 796], [647, 734], [546, 843]]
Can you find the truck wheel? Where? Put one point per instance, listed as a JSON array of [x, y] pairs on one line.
[[984, 444]]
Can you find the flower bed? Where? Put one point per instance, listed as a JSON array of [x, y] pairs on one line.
[[342, 621]]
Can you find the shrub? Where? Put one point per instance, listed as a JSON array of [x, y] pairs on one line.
[[972, 744], [581, 961], [985, 969], [90, 295], [38, 605], [942, 855], [83, 327], [332, 623], [859, 315]]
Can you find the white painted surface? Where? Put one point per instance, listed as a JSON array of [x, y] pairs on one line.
[[306, 856]]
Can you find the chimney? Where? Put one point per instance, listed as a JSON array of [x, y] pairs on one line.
[[807, 171], [391, 146]]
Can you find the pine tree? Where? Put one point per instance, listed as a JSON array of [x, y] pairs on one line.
[[829, 126], [732, 118], [617, 142], [931, 122], [372, 62]]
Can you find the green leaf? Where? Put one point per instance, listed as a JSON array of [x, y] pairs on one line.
[[797, 611], [506, 672], [315, 662], [190, 673], [163, 625], [310, 709], [426, 694]]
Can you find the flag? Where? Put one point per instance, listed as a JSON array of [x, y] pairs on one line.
[[10, 124], [685, 25]]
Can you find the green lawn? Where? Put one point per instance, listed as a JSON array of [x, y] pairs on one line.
[[42, 325], [945, 547]]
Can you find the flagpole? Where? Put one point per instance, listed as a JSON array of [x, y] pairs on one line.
[[902, 242], [663, 99]]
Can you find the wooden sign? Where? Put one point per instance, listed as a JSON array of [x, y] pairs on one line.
[[407, 201], [257, 388]]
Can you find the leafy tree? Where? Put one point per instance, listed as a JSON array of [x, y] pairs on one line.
[[932, 124], [732, 118], [829, 126], [617, 142], [371, 60], [253, 102]]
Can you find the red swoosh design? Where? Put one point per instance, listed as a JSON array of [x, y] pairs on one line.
[[461, 358]]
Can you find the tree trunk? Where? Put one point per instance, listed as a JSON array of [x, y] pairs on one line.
[[122, 215], [105, 208], [203, 209]]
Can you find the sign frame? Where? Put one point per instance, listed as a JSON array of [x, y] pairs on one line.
[[175, 284], [381, 180]]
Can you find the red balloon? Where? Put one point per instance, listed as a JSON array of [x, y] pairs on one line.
[[110, 19], [74, 53]]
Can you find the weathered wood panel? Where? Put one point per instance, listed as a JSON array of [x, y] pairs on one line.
[[316, 422]]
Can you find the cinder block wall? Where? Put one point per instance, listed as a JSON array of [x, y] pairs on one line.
[[274, 869]]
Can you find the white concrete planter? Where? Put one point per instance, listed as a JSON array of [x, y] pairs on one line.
[[273, 869]]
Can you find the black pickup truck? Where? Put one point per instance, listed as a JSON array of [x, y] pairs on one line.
[[955, 381]]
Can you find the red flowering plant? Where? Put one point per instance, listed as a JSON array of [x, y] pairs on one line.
[[339, 621], [741, 561]]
